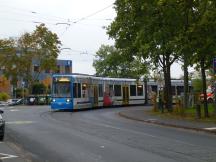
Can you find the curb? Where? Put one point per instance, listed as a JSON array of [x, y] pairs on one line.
[[166, 124]]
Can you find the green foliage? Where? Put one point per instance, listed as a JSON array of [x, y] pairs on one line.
[[149, 30], [19, 92], [111, 62], [197, 85], [9, 59], [163, 31], [43, 47], [203, 36], [16, 55], [38, 88], [4, 96]]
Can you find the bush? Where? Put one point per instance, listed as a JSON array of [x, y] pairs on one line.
[[19, 92], [38, 88], [4, 96]]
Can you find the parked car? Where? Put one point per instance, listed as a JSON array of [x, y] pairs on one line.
[[3, 103], [210, 97], [2, 126], [17, 101], [32, 100]]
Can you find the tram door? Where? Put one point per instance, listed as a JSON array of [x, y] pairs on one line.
[[125, 95], [95, 88]]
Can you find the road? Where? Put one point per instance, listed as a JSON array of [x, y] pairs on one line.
[[101, 136]]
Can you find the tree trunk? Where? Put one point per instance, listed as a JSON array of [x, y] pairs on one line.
[[146, 91], [185, 82], [167, 87], [202, 63]]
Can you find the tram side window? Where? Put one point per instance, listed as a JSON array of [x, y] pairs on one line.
[[154, 88], [84, 90], [180, 90], [140, 90], [111, 91], [100, 90], [76, 90], [173, 90], [117, 90], [132, 90]]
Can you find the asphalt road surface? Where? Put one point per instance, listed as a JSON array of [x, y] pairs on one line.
[[40, 135]]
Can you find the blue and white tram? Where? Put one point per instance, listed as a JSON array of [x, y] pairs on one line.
[[78, 91]]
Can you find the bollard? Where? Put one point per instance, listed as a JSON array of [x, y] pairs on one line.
[[198, 111]]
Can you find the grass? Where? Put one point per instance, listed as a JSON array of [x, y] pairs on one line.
[[188, 114]]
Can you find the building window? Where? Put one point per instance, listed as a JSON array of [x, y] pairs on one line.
[[36, 68], [58, 69], [47, 71], [140, 90], [132, 90], [67, 69], [117, 90]]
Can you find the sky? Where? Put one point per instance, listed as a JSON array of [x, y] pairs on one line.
[[79, 25]]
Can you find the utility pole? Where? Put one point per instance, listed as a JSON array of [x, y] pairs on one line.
[[23, 84], [214, 69]]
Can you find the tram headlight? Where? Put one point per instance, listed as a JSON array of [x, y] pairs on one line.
[[53, 100], [68, 100]]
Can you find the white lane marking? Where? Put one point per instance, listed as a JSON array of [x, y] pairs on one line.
[[152, 119], [102, 147], [211, 128], [14, 110], [20, 122], [6, 156]]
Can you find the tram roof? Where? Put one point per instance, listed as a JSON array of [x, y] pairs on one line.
[[86, 76]]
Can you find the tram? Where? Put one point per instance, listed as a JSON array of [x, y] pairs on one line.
[[79, 91]]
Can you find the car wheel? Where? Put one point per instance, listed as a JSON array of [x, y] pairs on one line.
[[1, 137], [210, 100]]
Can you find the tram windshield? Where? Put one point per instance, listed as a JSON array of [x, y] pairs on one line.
[[61, 88]]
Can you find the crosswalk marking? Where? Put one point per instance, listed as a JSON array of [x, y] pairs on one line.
[[211, 128], [20, 122], [6, 156]]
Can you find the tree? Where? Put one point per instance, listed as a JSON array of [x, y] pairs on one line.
[[149, 29], [183, 43], [9, 60], [17, 55], [203, 40], [41, 46], [111, 62]]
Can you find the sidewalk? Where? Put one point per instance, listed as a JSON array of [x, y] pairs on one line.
[[142, 114]]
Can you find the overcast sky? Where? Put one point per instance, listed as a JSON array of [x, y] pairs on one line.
[[83, 36]]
